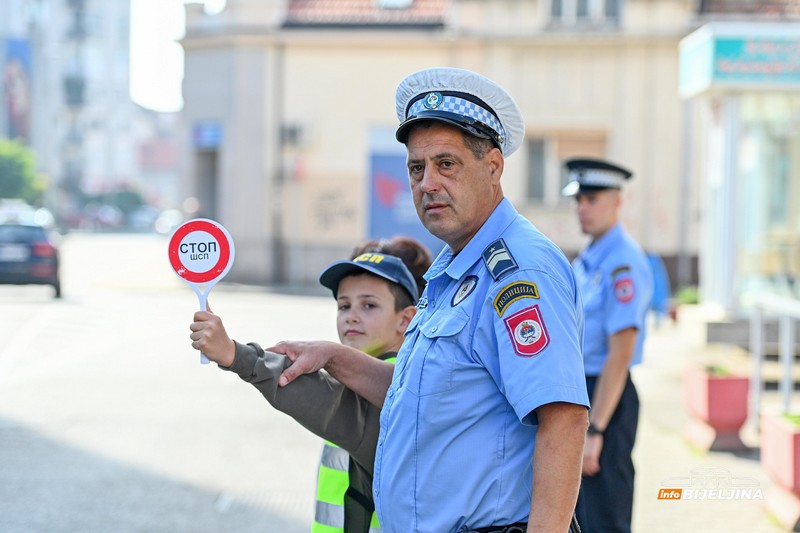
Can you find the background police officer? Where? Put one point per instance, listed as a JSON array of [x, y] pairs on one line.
[[616, 287]]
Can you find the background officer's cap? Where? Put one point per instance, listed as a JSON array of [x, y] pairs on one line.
[[592, 175], [464, 99], [385, 266]]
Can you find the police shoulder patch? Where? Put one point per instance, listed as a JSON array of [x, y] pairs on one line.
[[527, 331], [498, 259], [513, 292], [624, 290]]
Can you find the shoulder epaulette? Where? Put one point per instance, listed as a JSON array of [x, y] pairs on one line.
[[498, 259]]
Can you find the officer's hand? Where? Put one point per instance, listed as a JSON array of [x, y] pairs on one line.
[[307, 357], [209, 336], [591, 454]]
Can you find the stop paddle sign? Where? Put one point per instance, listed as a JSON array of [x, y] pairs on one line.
[[201, 252]]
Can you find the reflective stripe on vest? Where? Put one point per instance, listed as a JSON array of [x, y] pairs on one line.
[[332, 482]]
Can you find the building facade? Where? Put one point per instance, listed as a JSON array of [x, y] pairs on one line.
[[289, 115], [66, 94]]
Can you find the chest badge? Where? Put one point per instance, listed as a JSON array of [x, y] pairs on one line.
[[464, 290]]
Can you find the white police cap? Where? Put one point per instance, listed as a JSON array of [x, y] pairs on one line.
[[464, 99], [591, 175]]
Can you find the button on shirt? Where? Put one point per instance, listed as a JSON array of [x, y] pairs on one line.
[[457, 427], [616, 284]]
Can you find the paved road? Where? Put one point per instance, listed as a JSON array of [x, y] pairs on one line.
[[109, 423]]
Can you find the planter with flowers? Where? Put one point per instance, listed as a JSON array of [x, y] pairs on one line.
[[717, 403], [780, 457]]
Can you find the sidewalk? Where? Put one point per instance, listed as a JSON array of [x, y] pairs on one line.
[[662, 452]]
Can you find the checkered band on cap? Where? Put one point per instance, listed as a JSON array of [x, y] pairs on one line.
[[596, 177], [463, 107]]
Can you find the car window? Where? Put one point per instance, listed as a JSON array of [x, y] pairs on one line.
[[16, 233]]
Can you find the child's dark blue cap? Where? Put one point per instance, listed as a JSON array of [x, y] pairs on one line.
[[385, 266]]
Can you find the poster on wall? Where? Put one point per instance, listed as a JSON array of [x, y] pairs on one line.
[[391, 208], [17, 89]]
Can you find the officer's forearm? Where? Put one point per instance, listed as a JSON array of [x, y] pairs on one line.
[[366, 375], [611, 382], [317, 401], [557, 465]]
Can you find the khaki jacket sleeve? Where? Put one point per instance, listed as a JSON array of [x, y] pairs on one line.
[[317, 401]]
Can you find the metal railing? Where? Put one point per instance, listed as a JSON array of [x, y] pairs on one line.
[[787, 310]]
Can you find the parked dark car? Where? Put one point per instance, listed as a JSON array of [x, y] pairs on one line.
[[28, 256]]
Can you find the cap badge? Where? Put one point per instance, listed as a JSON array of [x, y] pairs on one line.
[[433, 100]]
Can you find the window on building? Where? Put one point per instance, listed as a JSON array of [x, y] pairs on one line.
[[750, 7], [569, 13], [545, 176], [536, 170], [394, 4]]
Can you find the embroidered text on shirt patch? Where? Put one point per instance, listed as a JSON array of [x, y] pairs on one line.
[[513, 292], [464, 290], [527, 331], [620, 270], [498, 259]]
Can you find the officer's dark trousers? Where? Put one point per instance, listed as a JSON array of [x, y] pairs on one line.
[[605, 501]]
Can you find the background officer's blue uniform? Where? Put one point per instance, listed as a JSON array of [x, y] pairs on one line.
[[497, 334], [616, 285]]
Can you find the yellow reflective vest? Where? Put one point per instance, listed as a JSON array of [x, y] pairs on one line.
[[333, 480]]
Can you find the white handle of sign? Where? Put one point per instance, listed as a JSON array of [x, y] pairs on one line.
[[202, 296]]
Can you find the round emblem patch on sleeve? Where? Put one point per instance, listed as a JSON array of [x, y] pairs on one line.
[[527, 331], [623, 290]]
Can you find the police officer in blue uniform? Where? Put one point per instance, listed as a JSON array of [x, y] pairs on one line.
[[483, 420], [616, 286]]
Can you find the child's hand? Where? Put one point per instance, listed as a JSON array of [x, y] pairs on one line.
[[209, 336]]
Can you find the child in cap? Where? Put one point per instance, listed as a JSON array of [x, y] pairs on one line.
[[375, 293]]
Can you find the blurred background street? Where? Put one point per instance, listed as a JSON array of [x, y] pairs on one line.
[[108, 421]]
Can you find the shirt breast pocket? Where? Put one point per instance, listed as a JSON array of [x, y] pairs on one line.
[[444, 338], [593, 298]]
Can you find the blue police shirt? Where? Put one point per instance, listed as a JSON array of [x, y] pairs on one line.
[[497, 334], [616, 284]]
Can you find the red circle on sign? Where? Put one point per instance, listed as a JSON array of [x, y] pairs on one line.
[[224, 251]]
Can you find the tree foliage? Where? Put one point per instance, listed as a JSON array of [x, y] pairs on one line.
[[18, 172]]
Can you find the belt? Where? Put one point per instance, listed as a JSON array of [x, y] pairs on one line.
[[519, 527]]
